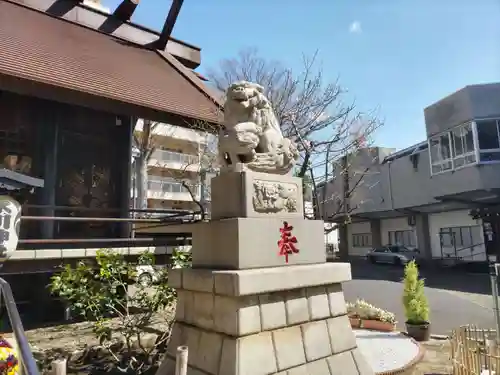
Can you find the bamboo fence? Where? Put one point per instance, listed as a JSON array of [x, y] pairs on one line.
[[475, 351]]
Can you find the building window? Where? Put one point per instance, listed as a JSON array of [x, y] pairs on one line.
[[403, 238], [461, 237], [463, 145], [362, 240], [488, 140], [453, 149], [440, 148]]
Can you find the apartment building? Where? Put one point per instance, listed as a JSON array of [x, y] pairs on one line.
[[180, 154], [424, 196]]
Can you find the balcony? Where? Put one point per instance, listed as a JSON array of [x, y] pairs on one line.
[[465, 161], [170, 189], [174, 160], [176, 132]]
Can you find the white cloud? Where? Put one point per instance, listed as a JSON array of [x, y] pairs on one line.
[[355, 27]]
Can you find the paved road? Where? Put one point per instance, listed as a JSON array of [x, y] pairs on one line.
[[455, 299]]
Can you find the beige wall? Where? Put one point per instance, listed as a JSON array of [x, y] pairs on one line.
[[358, 228], [391, 225]]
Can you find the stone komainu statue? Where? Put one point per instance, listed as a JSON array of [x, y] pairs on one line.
[[252, 134]]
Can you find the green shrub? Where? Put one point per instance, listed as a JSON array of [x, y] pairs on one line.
[[100, 294], [181, 259], [414, 300]]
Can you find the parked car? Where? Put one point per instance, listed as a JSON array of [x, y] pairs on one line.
[[392, 254], [148, 274]]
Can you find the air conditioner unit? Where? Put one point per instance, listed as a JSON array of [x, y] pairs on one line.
[[412, 220]]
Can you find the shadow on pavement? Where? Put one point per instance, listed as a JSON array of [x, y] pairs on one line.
[[448, 279]]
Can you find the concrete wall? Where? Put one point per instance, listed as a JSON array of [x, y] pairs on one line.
[[368, 187], [474, 177], [471, 102], [388, 186], [485, 100], [357, 228], [399, 185], [391, 225], [371, 193], [412, 187], [450, 111], [411, 184]]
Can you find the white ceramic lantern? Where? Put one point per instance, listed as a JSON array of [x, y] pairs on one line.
[[10, 222]]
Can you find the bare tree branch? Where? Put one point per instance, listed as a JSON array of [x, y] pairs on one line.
[[313, 113]]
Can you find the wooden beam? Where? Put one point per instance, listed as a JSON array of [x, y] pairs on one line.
[[125, 9], [188, 54], [169, 24], [59, 8]]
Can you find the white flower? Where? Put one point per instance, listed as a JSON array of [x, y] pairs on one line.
[[365, 310]]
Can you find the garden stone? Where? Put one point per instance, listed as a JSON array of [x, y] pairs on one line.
[[261, 298]]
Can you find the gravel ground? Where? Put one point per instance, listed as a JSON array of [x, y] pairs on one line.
[[78, 336], [74, 337], [436, 360]]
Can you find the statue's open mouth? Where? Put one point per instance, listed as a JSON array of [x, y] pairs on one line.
[[244, 101], [240, 99]]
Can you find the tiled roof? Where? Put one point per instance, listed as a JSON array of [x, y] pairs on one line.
[[41, 48]]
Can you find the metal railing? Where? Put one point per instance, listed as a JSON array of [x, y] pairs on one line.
[[94, 228], [475, 250], [177, 157], [460, 254], [26, 359]]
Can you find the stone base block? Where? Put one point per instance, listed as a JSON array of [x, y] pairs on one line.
[[283, 320], [246, 315], [253, 194], [244, 243], [258, 281], [324, 347]]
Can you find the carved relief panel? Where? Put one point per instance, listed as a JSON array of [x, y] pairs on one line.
[[274, 197]]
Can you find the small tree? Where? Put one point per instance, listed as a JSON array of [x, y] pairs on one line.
[[119, 318], [414, 300]]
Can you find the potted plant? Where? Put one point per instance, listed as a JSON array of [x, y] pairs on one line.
[[415, 304], [365, 315]]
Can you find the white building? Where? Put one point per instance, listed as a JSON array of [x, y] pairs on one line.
[[441, 195], [180, 155]]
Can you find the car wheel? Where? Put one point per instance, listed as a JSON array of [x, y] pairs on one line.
[[145, 279], [372, 259], [397, 261]]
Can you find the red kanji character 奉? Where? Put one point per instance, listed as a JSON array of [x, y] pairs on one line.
[[287, 242]]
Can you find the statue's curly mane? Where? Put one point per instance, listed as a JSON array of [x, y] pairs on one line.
[[263, 116], [259, 110], [252, 133]]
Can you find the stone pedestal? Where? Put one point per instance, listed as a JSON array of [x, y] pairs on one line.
[[242, 310]]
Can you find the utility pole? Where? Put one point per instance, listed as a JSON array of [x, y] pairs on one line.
[[494, 269]]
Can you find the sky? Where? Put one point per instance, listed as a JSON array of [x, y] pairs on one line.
[[396, 56]]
